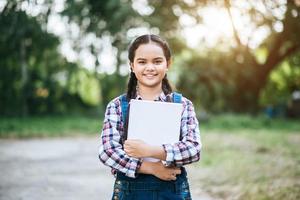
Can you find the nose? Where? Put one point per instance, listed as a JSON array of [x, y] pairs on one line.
[[150, 66]]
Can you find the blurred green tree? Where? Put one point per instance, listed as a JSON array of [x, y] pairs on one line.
[[24, 46], [108, 18], [114, 18], [35, 78], [232, 80], [235, 79], [283, 81]]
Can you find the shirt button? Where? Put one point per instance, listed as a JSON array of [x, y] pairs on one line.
[[115, 198], [118, 182], [117, 190]]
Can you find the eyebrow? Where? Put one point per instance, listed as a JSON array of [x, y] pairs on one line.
[[141, 59], [157, 58]]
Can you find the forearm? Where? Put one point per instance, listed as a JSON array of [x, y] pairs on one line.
[[140, 149], [146, 168], [159, 170], [157, 152]]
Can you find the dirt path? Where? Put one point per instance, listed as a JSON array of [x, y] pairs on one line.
[[56, 169]]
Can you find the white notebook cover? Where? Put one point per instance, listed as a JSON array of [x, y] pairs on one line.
[[154, 122]]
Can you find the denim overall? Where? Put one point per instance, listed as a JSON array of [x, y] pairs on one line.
[[149, 187]]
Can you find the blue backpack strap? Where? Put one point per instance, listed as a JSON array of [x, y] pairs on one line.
[[177, 97], [124, 107]]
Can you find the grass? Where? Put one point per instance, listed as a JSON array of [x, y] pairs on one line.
[[258, 166], [242, 123], [243, 157], [49, 126]]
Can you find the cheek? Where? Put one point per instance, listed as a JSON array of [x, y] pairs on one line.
[[163, 69], [136, 67]]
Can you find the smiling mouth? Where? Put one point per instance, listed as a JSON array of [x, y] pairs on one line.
[[150, 75]]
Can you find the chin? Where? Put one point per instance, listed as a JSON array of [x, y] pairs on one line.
[[152, 85]]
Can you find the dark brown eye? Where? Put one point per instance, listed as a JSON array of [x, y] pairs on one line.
[[141, 62], [157, 62]]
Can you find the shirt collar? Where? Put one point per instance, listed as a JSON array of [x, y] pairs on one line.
[[161, 97]]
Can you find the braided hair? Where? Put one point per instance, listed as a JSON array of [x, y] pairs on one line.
[[145, 39]]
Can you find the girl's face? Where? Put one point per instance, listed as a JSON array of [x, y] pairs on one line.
[[149, 65]]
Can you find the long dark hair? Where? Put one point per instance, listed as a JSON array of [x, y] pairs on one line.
[[145, 39]]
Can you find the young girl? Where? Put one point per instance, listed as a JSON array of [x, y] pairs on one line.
[[150, 59]]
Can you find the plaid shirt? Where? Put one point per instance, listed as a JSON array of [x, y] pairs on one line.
[[111, 152]]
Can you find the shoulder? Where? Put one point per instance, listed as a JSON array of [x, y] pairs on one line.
[[114, 103], [187, 104], [188, 108]]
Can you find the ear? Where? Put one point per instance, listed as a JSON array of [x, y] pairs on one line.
[[169, 62], [131, 66]]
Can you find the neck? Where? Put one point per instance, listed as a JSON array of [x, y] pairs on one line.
[[149, 93]]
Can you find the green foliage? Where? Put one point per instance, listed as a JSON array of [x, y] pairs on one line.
[[282, 82], [34, 76], [101, 17], [232, 79], [207, 80], [86, 86], [27, 47], [112, 86], [216, 79], [231, 76]]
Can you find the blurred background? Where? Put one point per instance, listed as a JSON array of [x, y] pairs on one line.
[[62, 61]]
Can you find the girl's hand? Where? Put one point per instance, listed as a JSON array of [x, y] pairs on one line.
[[137, 148], [165, 173]]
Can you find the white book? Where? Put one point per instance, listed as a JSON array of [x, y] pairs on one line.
[[154, 122]]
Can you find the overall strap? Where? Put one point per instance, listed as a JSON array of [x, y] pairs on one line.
[[177, 97], [124, 107]]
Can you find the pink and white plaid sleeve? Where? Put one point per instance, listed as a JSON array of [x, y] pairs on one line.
[[111, 152], [188, 149]]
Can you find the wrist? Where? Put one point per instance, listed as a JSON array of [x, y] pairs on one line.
[[150, 151], [147, 168]]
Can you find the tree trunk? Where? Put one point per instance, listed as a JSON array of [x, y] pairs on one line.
[[24, 79]]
